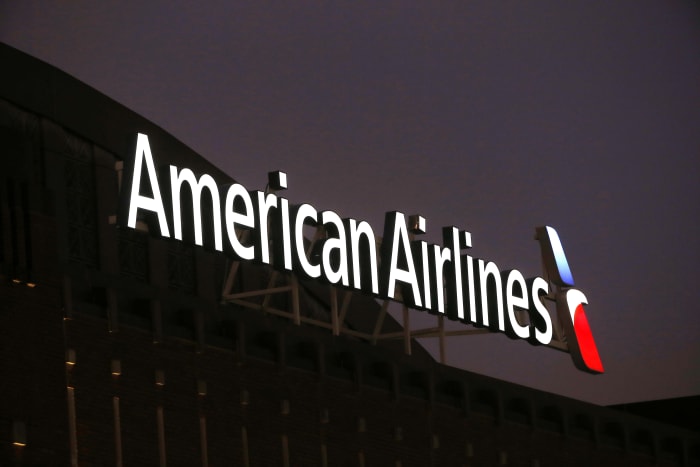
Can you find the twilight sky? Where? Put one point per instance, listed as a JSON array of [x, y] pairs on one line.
[[495, 117]]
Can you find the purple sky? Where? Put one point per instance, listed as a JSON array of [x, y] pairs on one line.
[[495, 117]]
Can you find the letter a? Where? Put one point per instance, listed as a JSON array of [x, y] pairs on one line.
[[137, 201]]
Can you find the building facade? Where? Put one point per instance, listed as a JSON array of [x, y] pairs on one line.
[[118, 348]]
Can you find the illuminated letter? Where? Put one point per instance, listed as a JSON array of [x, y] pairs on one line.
[[303, 212], [333, 275], [265, 203], [440, 257], [539, 316], [286, 236], [514, 301], [421, 249], [397, 260], [367, 270], [244, 219], [455, 301], [487, 294], [136, 201], [186, 175], [471, 289]]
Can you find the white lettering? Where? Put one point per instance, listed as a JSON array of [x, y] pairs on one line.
[[136, 201], [425, 267], [441, 256], [186, 175], [265, 203], [339, 272], [408, 275], [357, 231], [487, 270], [305, 211], [245, 219], [539, 288], [516, 301], [286, 235], [260, 227]]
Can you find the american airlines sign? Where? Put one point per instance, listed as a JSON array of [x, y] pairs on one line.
[[439, 279]]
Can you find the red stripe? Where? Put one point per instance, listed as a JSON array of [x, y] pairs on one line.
[[589, 351]]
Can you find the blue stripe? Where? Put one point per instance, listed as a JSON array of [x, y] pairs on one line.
[[560, 257]]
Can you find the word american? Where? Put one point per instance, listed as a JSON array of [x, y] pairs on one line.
[[265, 228]]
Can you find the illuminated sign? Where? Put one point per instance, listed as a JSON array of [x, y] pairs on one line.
[[439, 279], [570, 303]]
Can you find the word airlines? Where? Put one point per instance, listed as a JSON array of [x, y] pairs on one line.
[[434, 278]]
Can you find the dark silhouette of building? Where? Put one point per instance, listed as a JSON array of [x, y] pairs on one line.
[[117, 348]]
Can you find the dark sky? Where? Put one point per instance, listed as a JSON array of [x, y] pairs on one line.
[[495, 117]]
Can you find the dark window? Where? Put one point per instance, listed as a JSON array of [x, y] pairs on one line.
[[133, 254], [80, 203], [181, 270]]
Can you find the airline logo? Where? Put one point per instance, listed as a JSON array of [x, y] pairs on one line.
[[570, 303], [444, 280]]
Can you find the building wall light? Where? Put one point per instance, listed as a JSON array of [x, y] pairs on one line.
[[70, 357], [116, 367], [19, 434]]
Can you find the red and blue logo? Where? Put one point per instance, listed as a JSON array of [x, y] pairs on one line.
[[570, 303]]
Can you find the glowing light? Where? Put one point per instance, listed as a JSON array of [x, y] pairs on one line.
[[560, 257], [589, 351], [263, 227], [116, 367], [305, 211], [136, 202], [196, 188], [519, 301], [70, 357], [19, 434], [395, 241], [540, 287]]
